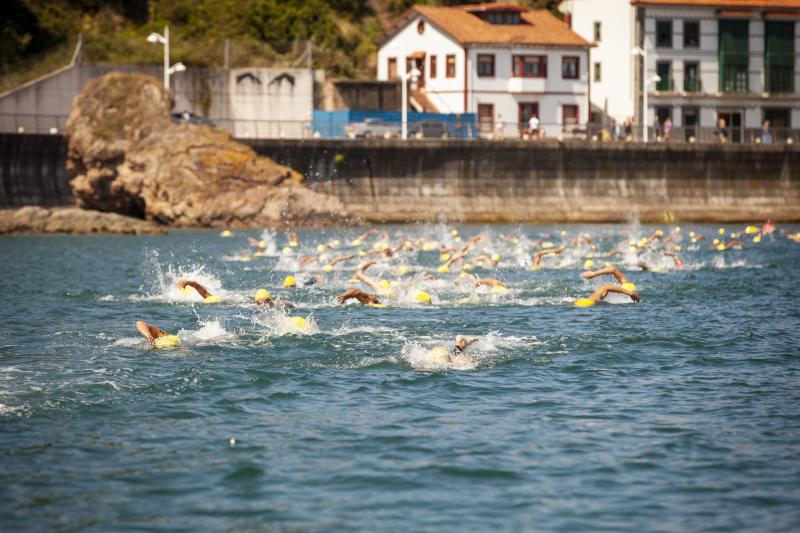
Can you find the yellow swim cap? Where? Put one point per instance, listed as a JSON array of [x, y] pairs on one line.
[[402, 270], [751, 229], [588, 264], [454, 232], [289, 281], [394, 283], [496, 257], [547, 244], [427, 247], [262, 244], [694, 240], [722, 231], [716, 241], [293, 244], [362, 253], [757, 238], [167, 341], [225, 233], [259, 254], [423, 297], [444, 257], [328, 268], [299, 322], [261, 294], [320, 247], [499, 290], [457, 239], [466, 266], [439, 354], [212, 300], [286, 250], [383, 283], [628, 286], [356, 242], [721, 247], [377, 306], [443, 268], [186, 289], [691, 234], [563, 233], [584, 302], [336, 243]]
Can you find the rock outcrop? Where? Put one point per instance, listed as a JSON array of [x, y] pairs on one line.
[[33, 219], [127, 156]]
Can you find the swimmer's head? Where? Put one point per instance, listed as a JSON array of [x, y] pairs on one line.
[[384, 284], [439, 354], [289, 281], [588, 264], [402, 270], [261, 294], [298, 322], [328, 268], [212, 299], [496, 258], [422, 297], [584, 302], [629, 287], [286, 250], [226, 233], [167, 341]]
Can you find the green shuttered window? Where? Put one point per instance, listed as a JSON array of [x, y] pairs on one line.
[[779, 57], [733, 56]]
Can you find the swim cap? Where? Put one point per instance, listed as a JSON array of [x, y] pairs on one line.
[[584, 302], [716, 241], [444, 257], [336, 243], [402, 270], [167, 341], [563, 233], [691, 234], [588, 264], [377, 306], [361, 253], [383, 283], [261, 294], [751, 229], [547, 244], [328, 268], [722, 231], [225, 233], [443, 268], [439, 354], [496, 257], [394, 283], [289, 281], [356, 242], [286, 250], [293, 244], [499, 290], [628, 286], [321, 247], [757, 238], [466, 266], [427, 247], [212, 300], [423, 297], [259, 254], [454, 232], [186, 289], [721, 247], [262, 244], [299, 322], [245, 259], [659, 232], [457, 239]]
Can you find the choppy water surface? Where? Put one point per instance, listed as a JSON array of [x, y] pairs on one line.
[[681, 412]]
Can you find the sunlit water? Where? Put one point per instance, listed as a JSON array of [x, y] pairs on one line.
[[678, 413]]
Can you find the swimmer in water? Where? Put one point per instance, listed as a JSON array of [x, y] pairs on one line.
[[603, 291], [361, 296], [609, 270], [374, 285], [202, 291], [153, 334], [453, 355], [263, 299], [537, 259]]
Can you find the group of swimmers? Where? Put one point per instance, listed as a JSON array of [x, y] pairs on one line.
[[475, 251]]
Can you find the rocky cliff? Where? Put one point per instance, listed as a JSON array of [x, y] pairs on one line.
[[127, 156]]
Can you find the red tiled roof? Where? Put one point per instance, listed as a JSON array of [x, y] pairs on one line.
[[766, 4], [539, 26]]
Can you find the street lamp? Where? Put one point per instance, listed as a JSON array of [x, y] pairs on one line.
[[164, 39], [412, 75]]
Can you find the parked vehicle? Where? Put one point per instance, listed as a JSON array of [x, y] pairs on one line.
[[372, 127], [430, 130], [187, 117]]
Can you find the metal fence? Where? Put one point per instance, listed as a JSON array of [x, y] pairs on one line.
[[371, 128]]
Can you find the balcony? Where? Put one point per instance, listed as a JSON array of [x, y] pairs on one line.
[[526, 85], [692, 86]]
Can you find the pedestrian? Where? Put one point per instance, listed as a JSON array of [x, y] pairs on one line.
[[722, 131], [766, 133], [667, 129]]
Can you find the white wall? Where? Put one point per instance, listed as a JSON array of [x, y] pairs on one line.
[[446, 93], [613, 52]]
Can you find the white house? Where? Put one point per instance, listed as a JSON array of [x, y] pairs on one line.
[[500, 61], [706, 60]]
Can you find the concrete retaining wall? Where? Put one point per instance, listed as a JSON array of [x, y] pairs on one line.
[[485, 181], [516, 181]]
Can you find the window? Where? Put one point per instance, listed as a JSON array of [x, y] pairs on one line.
[[598, 74], [691, 34], [733, 56], [486, 65], [530, 66], [570, 65], [432, 69], [664, 71], [392, 68], [779, 57], [450, 67], [691, 77], [569, 115], [664, 33], [421, 27], [485, 117], [597, 31], [503, 17]]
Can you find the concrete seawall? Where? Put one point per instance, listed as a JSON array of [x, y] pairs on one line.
[[477, 181], [515, 181]]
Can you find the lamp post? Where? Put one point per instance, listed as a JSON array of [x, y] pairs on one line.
[[637, 51], [412, 75], [164, 39]]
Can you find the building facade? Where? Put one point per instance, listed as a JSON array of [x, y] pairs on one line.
[[702, 61], [502, 62]]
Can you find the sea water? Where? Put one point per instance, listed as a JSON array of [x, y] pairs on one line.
[[681, 412]]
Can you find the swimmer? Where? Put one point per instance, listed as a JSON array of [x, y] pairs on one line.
[[294, 240], [374, 285], [768, 227], [723, 246], [675, 258], [361, 296], [491, 282], [202, 291], [455, 354], [260, 245], [537, 260], [486, 261], [263, 299], [153, 333], [603, 291]]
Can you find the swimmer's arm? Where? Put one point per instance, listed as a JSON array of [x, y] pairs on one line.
[[252, 241], [369, 282], [678, 262], [339, 259], [612, 270], [292, 236], [283, 303], [603, 291], [361, 296], [491, 282], [364, 266], [149, 331], [202, 291]]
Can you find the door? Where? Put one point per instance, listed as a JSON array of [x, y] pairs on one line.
[[526, 111], [486, 118], [690, 120], [420, 64], [778, 123], [733, 123]]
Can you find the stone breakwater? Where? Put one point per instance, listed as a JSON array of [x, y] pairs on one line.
[[515, 181]]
